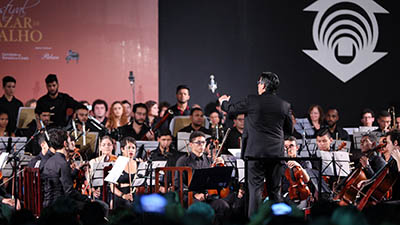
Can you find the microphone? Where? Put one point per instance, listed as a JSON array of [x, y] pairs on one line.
[[131, 78], [45, 131], [212, 86]]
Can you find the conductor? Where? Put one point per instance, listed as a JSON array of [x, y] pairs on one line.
[[267, 120]]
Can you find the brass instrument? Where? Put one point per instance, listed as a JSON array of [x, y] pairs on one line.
[[392, 113]]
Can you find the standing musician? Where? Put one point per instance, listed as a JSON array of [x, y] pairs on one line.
[[181, 108], [268, 118], [123, 191], [374, 162], [58, 180], [106, 147], [291, 147], [137, 128]]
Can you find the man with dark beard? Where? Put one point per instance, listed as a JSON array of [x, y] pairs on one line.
[[137, 129], [336, 132], [57, 102]]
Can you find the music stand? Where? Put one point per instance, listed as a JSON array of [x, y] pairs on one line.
[[117, 170], [210, 178], [97, 173], [91, 143], [304, 125], [146, 173], [310, 148], [183, 142], [236, 152], [367, 129], [9, 145], [357, 139], [25, 116], [335, 164], [147, 146]]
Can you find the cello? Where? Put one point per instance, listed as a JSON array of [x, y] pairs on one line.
[[350, 192], [298, 189]]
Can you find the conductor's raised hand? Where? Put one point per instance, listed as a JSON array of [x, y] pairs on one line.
[[224, 98]]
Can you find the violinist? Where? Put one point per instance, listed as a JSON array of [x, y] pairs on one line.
[[58, 180], [124, 190], [291, 148], [106, 148], [393, 146], [374, 162], [137, 128]]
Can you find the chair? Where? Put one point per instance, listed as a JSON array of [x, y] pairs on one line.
[[174, 171], [179, 122], [33, 198]]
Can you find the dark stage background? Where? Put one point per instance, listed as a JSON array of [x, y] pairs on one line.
[[237, 39]]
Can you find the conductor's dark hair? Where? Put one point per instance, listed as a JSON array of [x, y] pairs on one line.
[[51, 78], [367, 110], [7, 79], [180, 87], [194, 110], [271, 81], [383, 113], [100, 102], [126, 140], [196, 134], [323, 132], [57, 138], [139, 105]]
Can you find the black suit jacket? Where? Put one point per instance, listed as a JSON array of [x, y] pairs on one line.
[[267, 120]]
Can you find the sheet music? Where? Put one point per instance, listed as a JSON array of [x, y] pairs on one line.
[[3, 159], [240, 167], [342, 161], [312, 147], [98, 173], [303, 125], [235, 152], [116, 171], [141, 172]]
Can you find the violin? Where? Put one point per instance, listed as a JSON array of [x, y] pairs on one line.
[[160, 123], [298, 189]]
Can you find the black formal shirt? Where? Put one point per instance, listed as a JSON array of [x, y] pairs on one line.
[[58, 181], [178, 112], [58, 107], [171, 157], [33, 146], [12, 108], [376, 162], [128, 131], [232, 141], [189, 129], [40, 160], [194, 162], [339, 134]]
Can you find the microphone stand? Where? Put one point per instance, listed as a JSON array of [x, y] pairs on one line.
[[132, 83]]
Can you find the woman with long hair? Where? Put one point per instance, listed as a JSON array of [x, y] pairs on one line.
[[152, 113], [117, 116], [316, 117]]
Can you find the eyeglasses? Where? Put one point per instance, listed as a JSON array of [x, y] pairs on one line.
[[199, 142]]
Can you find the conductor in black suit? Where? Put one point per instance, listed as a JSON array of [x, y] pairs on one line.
[[267, 120]]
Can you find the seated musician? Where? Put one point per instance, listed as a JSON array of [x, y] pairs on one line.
[[196, 159], [374, 162], [291, 147], [3, 125], [42, 114], [137, 128], [335, 131], [106, 148], [152, 113], [166, 150], [367, 118], [123, 191], [384, 121], [324, 140], [234, 137], [58, 180], [197, 118]]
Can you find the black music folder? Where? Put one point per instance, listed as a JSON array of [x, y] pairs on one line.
[[210, 178]]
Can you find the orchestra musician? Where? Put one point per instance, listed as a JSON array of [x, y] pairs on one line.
[[100, 109], [10, 104], [181, 108], [268, 118], [123, 190], [127, 109], [106, 155], [152, 115], [197, 118], [116, 116], [3, 125], [384, 121], [137, 128], [291, 148], [40, 160], [335, 131], [57, 175], [57, 102], [367, 118], [234, 138], [166, 150], [374, 162], [316, 118]]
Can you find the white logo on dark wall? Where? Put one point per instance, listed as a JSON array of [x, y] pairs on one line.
[[345, 37]]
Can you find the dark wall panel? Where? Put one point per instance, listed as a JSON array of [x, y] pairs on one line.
[[236, 40]]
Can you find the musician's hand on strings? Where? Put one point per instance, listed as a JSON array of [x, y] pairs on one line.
[[223, 98], [364, 161], [292, 164], [150, 135], [96, 192], [200, 196], [127, 197]]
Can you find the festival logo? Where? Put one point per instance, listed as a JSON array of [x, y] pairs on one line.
[[345, 33], [71, 55]]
